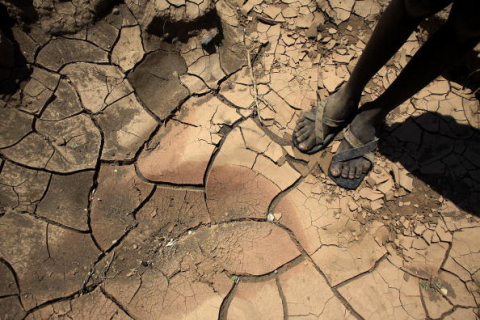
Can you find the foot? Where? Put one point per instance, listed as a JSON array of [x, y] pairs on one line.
[[339, 106], [363, 128]]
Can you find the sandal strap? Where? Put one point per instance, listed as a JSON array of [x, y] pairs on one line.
[[309, 115], [318, 123], [320, 120], [352, 139], [332, 122], [359, 149]]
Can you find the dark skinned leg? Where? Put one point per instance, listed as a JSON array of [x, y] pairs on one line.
[[459, 35], [395, 26]]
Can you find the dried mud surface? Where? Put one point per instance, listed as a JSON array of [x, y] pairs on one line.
[[146, 174]]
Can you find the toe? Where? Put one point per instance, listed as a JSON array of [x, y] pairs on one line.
[[303, 134], [358, 171], [351, 172], [300, 125], [345, 170], [336, 169], [307, 143], [366, 166], [308, 136]]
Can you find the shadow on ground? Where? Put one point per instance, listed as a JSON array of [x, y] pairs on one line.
[[441, 152], [11, 77]]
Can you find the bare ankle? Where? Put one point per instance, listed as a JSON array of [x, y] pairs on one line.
[[350, 94], [371, 113]]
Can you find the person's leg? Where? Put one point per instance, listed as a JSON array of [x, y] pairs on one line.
[[459, 35], [395, 26]]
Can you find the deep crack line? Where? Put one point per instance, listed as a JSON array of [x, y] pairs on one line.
[[282, 298], [273, 204], [116, 303], [218, 148], [15, 277], [373, 268], [76, 294], [223, 310], [335, 290]]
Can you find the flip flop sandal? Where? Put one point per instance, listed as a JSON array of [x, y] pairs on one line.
[[322, 141], [359, 150]]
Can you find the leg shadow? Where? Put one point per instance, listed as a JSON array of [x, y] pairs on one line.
[[441, 150], [11, 74]]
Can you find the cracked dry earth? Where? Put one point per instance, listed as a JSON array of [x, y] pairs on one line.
[[150, 177]]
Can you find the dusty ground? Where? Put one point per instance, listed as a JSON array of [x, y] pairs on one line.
[[151, 177]]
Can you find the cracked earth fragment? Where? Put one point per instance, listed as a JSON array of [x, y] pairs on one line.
[[60, 52], [462, 314], [367, 9], [65, 103], [185, 278], [455, 219], [125, 126], [129, 49], [420, 257], [297, 92], [435, 304], [278, 116], [38, 90], [66, 200], [103, 34], [231, 246], [256, 301], [465, 249], [232, 54], [157, 84], [180, 152], [308, 295], [21, 188], [118, 194], [14, 125], [97, 85], [11, 308], [342, 263], [385, 293], [338, 243], [61, 146], [8, 284], [249, 165], [123, 16], [237, 89], [27, 44], [41, 254], [170, 11], [94, 305], [456, 292], [150, 295], [234, 246], [170, 212], [338, 10], [208, 68]]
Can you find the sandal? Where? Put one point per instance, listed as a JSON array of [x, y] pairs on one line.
[[322, 141], [359, 150]]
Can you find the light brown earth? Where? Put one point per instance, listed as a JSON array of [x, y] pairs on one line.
[[147, 177]]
